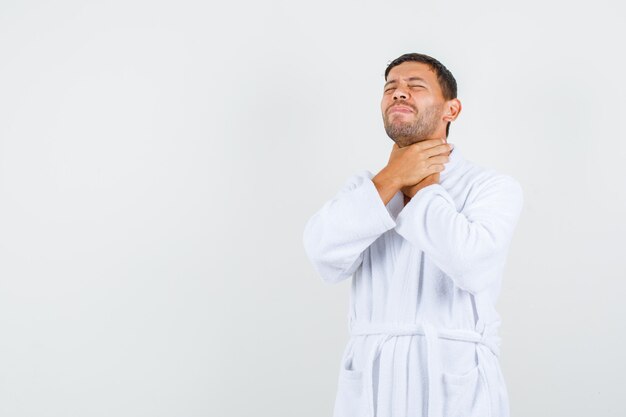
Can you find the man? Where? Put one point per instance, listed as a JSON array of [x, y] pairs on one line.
[[425, 240]]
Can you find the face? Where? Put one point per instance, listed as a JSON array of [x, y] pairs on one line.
[[413, 107]]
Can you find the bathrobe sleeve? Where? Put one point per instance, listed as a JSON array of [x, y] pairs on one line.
[[469, 246], [336, 236]]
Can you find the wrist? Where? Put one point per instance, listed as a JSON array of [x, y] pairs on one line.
[[386, 185], [388, 180]]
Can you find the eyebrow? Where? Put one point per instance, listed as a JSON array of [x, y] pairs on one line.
[[408, 79]]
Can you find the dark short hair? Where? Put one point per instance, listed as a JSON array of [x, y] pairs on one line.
[[446, 80]]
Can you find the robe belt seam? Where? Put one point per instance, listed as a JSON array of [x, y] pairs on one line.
[[485, 337]]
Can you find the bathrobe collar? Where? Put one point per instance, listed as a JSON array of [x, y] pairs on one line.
[[455, 159]]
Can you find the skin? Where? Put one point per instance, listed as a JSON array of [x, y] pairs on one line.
[[417, 125]]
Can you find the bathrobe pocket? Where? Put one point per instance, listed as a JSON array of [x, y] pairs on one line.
[[350, 400], [465, 395]]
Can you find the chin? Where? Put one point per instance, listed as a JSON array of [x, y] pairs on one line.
[[406, 141], [402, 141]]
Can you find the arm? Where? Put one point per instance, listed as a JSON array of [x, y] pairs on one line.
[[337, 235], [471, 245]]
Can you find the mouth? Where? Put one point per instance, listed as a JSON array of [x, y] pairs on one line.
[[400, 109]]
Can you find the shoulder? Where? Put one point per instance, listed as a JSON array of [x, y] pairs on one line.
[[502, 182], [489, 182], [490, 177]]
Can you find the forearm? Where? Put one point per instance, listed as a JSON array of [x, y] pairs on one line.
[[465, 245], [336, 236], [386, 185]]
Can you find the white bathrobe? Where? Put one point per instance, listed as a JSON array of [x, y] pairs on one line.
[[425, 278]]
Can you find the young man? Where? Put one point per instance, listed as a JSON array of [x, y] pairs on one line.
[[425, 240]]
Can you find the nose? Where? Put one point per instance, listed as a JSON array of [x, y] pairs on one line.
[[400, 93]]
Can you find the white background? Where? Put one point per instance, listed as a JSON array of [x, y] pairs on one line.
[[159, 161]]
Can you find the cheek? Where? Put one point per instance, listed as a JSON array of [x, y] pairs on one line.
[[385, 102]]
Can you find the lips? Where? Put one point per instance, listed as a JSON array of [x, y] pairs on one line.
[[400, 108]]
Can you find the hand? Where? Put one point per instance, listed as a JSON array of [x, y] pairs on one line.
[[411, 164], [410, 190]]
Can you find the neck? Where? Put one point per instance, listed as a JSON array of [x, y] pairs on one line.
[[403, 141]]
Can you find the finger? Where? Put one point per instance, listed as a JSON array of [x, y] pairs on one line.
[[437, 150], [429, 143], [438, 159]]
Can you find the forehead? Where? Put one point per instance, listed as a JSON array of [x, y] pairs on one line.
[[412, 69]]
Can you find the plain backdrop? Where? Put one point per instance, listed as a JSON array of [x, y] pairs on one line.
[[159, 159]]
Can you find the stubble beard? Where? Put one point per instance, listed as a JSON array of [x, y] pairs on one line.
[[421, 128]]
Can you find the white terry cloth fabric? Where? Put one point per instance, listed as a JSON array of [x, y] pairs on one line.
[[425, 279]]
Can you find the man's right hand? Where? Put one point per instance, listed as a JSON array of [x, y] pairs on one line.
[[411, 164]]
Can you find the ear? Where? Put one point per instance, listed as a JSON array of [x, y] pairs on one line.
[[452, 109]]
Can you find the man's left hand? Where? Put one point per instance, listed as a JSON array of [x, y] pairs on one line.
[[411, 190]]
